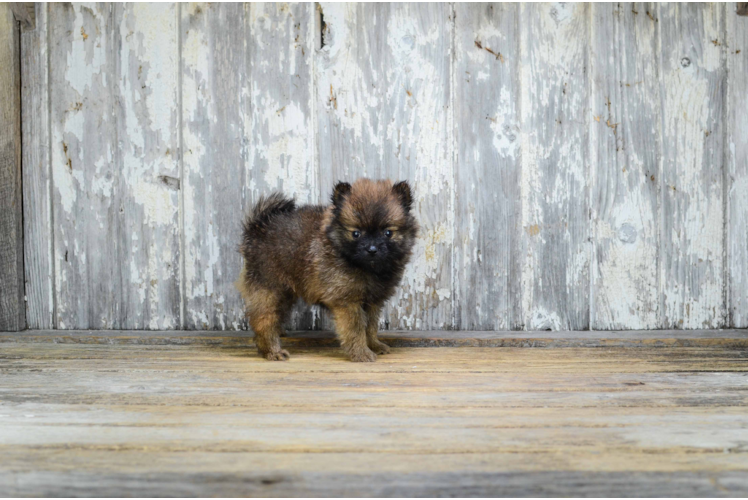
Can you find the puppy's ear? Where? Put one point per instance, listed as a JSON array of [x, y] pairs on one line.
[[403, 193], [340, 192]]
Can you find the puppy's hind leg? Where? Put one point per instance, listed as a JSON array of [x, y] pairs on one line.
[[266, 311], [268, 326]]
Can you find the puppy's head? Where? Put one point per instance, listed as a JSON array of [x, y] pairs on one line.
[[372, 226]]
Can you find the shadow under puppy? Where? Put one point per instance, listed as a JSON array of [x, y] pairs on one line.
[[348, 256]]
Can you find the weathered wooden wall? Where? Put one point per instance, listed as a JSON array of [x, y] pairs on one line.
[[576, 166]]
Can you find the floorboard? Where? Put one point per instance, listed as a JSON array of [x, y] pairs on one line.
[[197, 419]]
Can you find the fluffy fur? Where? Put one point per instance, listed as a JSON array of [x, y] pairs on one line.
[[348, 256]]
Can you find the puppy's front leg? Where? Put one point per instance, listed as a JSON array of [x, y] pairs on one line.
[[372, 327], [350, 325]]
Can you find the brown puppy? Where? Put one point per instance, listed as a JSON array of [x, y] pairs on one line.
[[348, 256]]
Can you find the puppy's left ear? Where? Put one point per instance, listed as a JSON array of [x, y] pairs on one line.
[[404, 194], [339, 193]]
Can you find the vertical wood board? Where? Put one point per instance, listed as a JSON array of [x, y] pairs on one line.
[[383, 84], [692, 78], [147, 112], [86, 202], [12, 306], [114, 122], [37, 178], [736, 145], [555, 163], [280, 59], [246, 105], [624, 145], [487, 162], [214, 156]]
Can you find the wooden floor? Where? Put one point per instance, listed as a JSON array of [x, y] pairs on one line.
[[127, 419]]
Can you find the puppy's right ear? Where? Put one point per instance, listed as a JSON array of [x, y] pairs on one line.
[[340, 192], [403, 192]]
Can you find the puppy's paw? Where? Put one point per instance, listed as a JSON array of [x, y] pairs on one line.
[[279, 355], [364, 355], [379, 347]]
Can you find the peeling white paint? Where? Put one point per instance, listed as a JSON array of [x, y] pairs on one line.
[[289, 151], [351, 103], [197, 69], [87, 54], [158, 203], [506, 132], [544, 320]]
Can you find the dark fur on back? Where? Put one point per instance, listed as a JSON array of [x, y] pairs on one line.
[[348, 256]]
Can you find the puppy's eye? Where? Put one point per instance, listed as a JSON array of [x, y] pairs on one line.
[[388, 233], [356, 234]]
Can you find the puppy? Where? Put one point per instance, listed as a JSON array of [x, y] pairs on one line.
[[348, 256]]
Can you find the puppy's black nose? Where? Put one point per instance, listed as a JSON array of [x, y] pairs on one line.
[[372, 250]]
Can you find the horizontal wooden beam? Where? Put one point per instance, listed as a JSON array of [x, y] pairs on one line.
[[24, 13], [742, 9], [736, 339]]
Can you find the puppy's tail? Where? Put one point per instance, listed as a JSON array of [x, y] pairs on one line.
[[264, 210]]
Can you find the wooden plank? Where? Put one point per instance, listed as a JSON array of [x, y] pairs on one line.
[[736, 188], [735, 339], [487, 241], [37, 175], [247, 130], [86, 204], [447, 483], [383, 98], [554, 187], [692, 79], [24, 12], [417, 422], [147, 120], [12, 305], [142, 360], [215, 93], [113, 139], [282, 138], [624, 145], [693, 386]]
